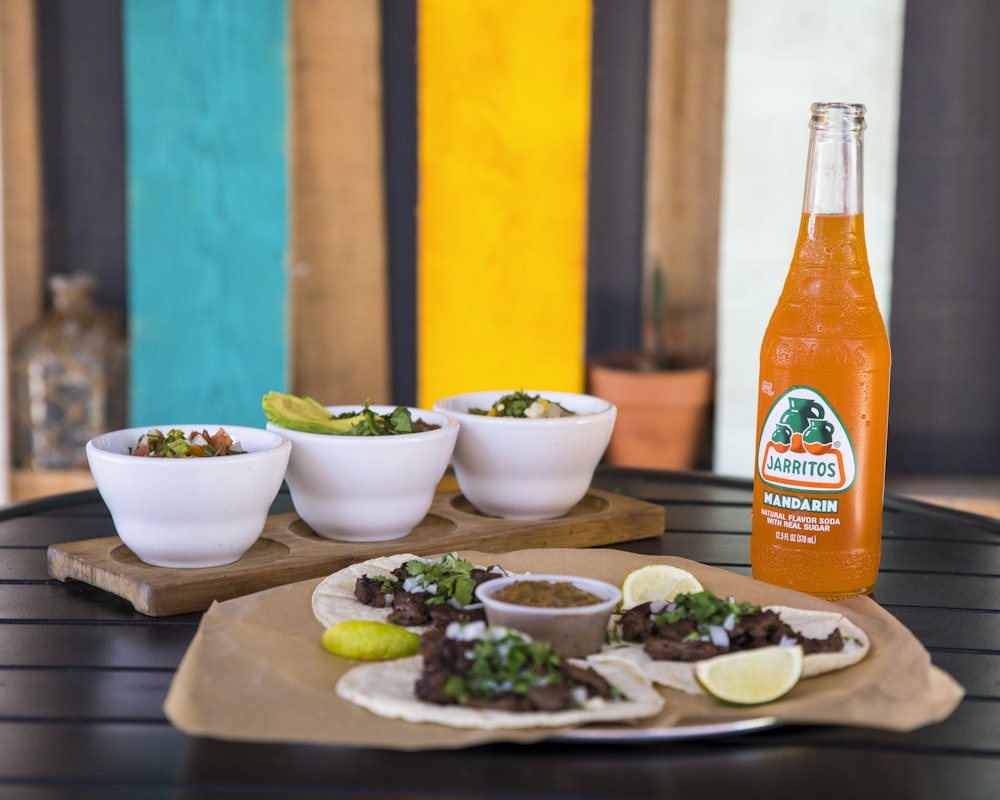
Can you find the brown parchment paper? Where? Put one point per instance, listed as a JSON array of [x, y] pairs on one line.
[[256, 671]]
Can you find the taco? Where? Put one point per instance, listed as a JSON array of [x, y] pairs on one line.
[[475, 676], [664, 640], [405, 589]]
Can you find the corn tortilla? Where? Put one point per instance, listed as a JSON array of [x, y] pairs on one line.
[[812, 624], [333, 599], [386, 689]]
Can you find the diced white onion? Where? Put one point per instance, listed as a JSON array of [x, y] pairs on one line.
[[465, 632], [535, 410], [718, 636], [415, 583]]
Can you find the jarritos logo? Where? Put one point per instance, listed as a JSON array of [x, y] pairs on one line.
[[804, 445]]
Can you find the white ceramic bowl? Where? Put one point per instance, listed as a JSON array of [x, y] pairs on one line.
[[189, 512], [574, 631], [367, 488], [528, 469]]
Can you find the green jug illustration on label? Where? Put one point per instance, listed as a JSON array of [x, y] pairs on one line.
[[798, 425]]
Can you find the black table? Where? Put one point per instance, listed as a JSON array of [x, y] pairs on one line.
[[83, 678]]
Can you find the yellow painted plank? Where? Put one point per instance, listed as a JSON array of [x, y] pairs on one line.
[[338, 293], [504, 103]]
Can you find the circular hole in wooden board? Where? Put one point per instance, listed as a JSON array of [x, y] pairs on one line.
[[264, 550], [590, 504], [432, 525]]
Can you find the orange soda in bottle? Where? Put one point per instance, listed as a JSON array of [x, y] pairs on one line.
[[823, 393]]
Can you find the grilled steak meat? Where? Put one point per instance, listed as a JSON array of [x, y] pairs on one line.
[[369, 591], [417, 607], [413, 608], [445, 658], [680, 641]]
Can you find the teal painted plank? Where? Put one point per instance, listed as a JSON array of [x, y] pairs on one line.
[[208, 218]]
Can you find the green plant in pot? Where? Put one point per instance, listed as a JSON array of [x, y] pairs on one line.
[[663, 406]]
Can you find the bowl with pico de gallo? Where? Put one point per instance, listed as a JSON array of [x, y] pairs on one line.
[[189, 495]]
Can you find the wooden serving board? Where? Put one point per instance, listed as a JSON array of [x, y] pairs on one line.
[[289, 550]]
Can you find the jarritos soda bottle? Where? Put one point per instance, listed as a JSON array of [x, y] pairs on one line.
[[823, 396]]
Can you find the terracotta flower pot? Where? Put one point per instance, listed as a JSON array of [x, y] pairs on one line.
[[662, 415]]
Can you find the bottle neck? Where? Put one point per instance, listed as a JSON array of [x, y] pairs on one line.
[[834, 182], [72, 293]]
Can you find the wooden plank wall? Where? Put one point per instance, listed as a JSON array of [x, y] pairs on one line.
[[22, 258], [315, 318], [339, 330], [22, 182], [208, 219], [684, 170], [503, 120], [616, 175], [946, 287], [336, 267], [510, 122], [81, 108]]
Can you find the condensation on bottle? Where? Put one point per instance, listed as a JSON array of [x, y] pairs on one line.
[[67, 378]]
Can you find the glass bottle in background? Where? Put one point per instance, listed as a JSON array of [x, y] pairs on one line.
[[823, 395], [67, 378]]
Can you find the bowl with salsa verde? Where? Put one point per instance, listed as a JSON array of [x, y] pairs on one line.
[[569, 612]]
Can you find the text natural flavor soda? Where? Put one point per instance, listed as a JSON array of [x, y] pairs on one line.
[[823, 393]]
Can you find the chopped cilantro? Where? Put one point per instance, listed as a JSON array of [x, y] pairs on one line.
[[520, 404], [704, 609], [505, 664], [450, 575], [367, 422]]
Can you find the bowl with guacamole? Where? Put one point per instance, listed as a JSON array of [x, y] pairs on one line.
[[361, 473]]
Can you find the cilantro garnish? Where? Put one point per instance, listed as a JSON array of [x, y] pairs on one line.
[[367, 422], [386, 583], [704, 609], [518, 404], [506, 664], [450, 576]]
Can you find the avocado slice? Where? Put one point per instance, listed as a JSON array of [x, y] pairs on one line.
[[304, 414]]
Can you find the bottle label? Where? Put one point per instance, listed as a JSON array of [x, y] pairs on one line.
[[804, 445]]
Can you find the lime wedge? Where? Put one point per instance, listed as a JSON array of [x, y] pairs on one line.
[[369, 640], [749, 677], [657, 582]]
